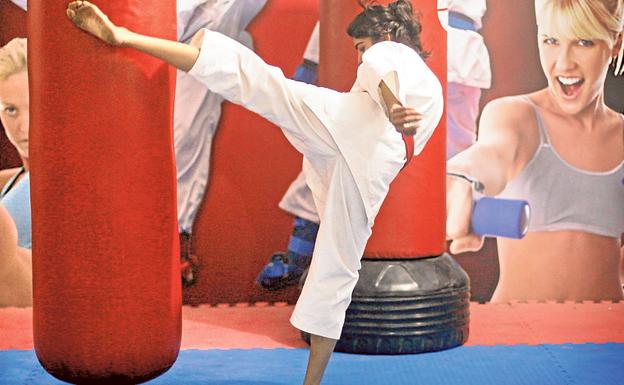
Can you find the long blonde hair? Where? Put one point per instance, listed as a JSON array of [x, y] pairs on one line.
[[585, 19], [13, 57]]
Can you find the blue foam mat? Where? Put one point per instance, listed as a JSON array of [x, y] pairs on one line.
[[590, 364]]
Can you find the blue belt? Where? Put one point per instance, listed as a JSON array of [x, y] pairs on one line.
[[461, 21]]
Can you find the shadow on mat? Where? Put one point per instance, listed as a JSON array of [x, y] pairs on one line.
[[232, 382]]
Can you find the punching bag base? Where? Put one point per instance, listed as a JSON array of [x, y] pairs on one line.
[[406, 307]]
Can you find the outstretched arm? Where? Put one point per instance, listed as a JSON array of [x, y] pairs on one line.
[[491, 161], [91, 19]]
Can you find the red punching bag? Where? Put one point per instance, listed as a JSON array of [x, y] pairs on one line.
[[106, 275], [410, 297]]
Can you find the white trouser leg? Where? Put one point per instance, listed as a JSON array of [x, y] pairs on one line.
[[298, 200], [333, 274], [196, 117]]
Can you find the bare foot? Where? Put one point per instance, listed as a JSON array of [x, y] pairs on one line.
[[90, 18]]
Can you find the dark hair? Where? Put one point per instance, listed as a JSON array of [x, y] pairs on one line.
[[396, 20]]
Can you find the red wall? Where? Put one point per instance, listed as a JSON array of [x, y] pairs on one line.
[[512, 43]]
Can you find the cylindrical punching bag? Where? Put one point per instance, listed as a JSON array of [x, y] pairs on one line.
[[106, 275], [410, 297]]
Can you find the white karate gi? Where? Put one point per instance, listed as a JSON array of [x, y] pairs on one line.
[[468, 65], [351, 152], [197, 110]]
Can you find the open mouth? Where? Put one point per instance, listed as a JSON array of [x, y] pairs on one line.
[[571, 86]]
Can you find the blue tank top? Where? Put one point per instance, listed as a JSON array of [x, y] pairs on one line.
[[563, 197], [15, 197]]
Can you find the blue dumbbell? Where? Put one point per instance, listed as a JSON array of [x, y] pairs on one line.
[[496, 217], [501, 217]]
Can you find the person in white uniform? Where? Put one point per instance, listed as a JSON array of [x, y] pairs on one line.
[[288, 268], [353, 143], [197, 111], [561, 149], [468, 72], [468, 66]]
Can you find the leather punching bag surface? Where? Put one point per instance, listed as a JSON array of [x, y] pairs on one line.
[[106, 275]]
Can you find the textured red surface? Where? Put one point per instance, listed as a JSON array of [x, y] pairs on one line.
[[245, 326], [107, 293], [508, 39]]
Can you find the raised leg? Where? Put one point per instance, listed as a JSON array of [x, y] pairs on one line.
[[90, 18]]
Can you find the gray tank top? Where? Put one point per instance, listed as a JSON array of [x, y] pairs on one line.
[[563, 197]]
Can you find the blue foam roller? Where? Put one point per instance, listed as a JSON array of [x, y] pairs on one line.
[[501, 217]]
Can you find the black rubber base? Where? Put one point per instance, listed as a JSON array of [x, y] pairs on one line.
[[407, 306]]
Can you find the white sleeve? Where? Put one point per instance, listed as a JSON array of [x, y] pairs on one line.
[[235, 72], [474, 9], [312, 49], [20, 3], [409, 79]]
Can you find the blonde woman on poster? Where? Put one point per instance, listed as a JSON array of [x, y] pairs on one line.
[[15, 225], [561, 149]]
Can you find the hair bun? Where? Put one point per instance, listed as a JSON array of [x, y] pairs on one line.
[[396, 20], [401, 9]]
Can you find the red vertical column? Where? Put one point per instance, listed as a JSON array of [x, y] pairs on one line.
[[412, 219], [106, 276]]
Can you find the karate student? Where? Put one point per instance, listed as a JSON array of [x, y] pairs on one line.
[[353, 143]]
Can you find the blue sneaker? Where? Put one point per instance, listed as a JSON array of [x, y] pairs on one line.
[[279, 273], [286, 269]]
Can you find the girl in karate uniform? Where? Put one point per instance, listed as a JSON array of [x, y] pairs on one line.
[[353, 143]]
